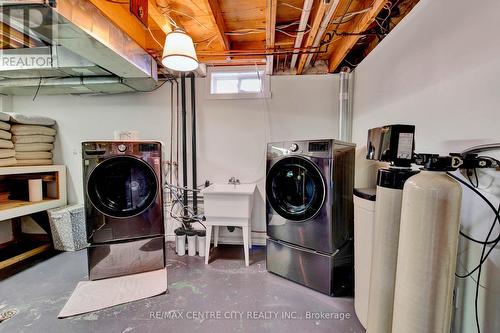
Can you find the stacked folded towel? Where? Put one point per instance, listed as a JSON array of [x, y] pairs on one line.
[[7, 152], [33, 144], [27, 140]]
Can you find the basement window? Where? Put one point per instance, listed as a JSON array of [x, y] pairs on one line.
[[237, 83]]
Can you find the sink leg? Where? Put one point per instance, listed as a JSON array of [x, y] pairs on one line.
[[207, 243], [245, 244], [249, 238], [216, 235]]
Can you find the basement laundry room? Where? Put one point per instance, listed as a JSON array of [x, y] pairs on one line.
[[250, 166]]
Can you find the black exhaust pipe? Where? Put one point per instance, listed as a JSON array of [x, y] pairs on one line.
[[184, 149], [193, 143]]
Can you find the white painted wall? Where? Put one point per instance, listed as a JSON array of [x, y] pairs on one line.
[[439, 69], [232, 134]]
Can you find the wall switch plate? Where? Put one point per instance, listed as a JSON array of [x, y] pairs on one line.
[[139, 8]]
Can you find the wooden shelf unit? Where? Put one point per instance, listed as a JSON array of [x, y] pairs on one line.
[[24, 246], [16, 208]]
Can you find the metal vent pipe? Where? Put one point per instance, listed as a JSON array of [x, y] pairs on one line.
[[345, 112]]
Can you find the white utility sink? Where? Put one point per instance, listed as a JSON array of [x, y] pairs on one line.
[[228, 201], [228, 205]]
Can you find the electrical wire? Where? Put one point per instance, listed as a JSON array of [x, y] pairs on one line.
[[154, 38], [37, 88], [467, 172], [464, 267], [497, 218], [476, 297], [146, 91], [384, 30], [205, 40], [291, 6], [334, 32], [495, 211], [483, 256], [290, 35], [118, 2], [191, 17], [483, 259], [280, 28], [349, 63], [188, 216]]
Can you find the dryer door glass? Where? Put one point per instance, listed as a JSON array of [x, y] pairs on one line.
[[122, 186], [295, 188]]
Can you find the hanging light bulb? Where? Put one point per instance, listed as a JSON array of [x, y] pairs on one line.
[[179, 53]]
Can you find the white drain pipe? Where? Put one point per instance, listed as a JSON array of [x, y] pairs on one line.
[[345, 114], [304, 17], [322, 28]]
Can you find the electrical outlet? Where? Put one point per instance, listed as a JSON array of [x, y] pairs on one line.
[[139, 8]]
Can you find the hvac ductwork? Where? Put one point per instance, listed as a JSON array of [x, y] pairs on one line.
[[79, 41]]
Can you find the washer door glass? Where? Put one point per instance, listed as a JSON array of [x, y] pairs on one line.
[[295, 188], [122, 186]]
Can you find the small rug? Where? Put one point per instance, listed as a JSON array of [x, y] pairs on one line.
[[90, 296]]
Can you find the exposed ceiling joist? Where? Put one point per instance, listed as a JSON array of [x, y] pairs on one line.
[[158, 18], [122, 17], [14, 38], [318, 17], [271, 7], [358, 26], [231, 32], [219, 23]]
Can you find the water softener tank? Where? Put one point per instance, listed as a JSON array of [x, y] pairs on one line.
[[427, 253], [364, 215], [385, 247]]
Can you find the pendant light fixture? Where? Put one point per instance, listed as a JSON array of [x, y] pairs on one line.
[[178, 52]]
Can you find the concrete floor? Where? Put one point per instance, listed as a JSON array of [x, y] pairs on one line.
[[252, 299]]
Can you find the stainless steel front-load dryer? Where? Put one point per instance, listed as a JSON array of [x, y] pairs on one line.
[[123, 207], [309, 188]]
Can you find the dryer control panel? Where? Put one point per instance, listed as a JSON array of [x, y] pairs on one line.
[[319, 146]]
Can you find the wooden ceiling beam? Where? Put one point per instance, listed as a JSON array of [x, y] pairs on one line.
[[156, 16], [218, 21], [121, 16], [318, 17], [358, 26], [271, 8], [15, 38]]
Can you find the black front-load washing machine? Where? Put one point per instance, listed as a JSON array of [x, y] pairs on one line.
[[309, 213], [123, 207]]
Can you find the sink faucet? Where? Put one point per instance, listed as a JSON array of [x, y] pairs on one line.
[[234, 181]]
